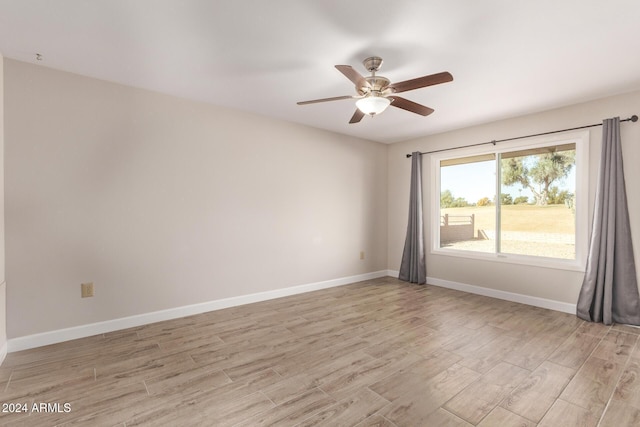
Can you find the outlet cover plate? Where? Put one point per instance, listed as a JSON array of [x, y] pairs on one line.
[[86, 289]]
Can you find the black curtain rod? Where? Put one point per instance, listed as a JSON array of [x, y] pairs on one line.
[[633, 118]]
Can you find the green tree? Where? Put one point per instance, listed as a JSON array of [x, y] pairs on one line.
[[557, 197], [538, 171], [446, 199], [460, 202], [506, 199], [521, 200], [485, 201]]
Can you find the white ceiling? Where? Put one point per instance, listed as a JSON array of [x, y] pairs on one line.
[[507, 57]]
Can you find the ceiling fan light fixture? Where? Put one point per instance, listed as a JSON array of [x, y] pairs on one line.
[[375, 93], [373, 104]]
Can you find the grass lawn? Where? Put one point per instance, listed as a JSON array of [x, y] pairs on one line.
[[528, 218]]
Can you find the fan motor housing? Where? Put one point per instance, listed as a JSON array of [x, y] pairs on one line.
[[377, 84]]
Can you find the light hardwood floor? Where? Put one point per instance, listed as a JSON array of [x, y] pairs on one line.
[[375, 353]]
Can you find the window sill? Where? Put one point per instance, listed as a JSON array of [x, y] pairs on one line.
[[543, 262]]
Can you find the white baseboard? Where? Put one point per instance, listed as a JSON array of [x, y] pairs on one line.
[[60, 335], [509, 296], [3, 352], [494, 293]]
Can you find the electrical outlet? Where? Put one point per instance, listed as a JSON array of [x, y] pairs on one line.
[[86, 289], [361, 254]]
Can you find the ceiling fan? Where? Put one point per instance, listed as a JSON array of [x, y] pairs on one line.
[[376, 93]]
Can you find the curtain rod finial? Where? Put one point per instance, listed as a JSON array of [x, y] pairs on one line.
[[408, 155], [634, 118]]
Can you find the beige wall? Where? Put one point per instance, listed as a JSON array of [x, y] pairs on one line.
[[3, 285], [163, 202], [557, 285]]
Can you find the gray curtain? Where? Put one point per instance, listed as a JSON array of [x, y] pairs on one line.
[[610, 289], [413, 268]]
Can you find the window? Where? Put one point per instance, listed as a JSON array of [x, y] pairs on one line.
[[523, 202]]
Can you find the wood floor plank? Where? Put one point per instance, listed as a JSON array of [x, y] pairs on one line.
[[597, 330], [397, 333], [593, 385], [616, 345], [482, 336], [102, 403], [414, 376], [349, 411], [628, 387], [293, 411], [500, 417], [480, 398], [233, 411], [492, 353], [35, 383], [376, 420], [566, 414], [533, 398], [190, 341], [205, 410], [228, 356], [629, 329], [532, 353], [370, 372], [229, 391], [198, 378], [13, 416], [53, 352], [442, 418], [574, 350], [188, 405], [307, 360], [436, 342], [141, 368], [416, 405], [291, 386], [619, 414]]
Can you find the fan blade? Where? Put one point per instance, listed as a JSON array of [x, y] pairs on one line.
[[433, 79], [335, 98], [357, 116], [354, 76], [414, 107]]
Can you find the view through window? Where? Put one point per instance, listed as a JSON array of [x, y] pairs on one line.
[[520, 202]]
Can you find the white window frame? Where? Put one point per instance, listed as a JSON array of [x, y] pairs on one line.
[[581, 139]]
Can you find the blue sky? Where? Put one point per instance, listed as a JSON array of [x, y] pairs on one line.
[[473, 181]]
